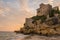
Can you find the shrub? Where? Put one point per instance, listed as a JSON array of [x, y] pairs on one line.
[[36, 17], [43, 18], [51, 14], [53, 11]]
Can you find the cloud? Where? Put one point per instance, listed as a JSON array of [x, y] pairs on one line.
[[25, 6], [51, 2], [13, 14], [9, 15]]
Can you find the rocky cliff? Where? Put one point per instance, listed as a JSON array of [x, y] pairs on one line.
[[46, 22]]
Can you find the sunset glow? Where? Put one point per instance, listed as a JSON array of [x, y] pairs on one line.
[[14, 12]]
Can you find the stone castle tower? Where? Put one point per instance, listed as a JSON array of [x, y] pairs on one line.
[[44, 9]]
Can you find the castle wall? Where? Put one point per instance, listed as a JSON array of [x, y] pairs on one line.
[[29, 22], [44, 9]]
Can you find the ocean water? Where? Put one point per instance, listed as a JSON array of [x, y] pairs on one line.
[[14, 36], [11, 36]]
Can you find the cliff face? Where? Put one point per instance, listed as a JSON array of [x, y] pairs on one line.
[[47, 21]]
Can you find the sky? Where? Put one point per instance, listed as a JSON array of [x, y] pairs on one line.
[[14, 12]]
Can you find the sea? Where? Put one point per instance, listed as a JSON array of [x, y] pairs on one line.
[[14, 36], [11, 36]]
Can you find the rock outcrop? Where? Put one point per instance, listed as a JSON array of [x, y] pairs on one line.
[[46, 22]]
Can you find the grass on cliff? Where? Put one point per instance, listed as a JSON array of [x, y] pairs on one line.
[[39, 17]]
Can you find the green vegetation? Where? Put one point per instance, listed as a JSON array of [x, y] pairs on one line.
[[36, 17], [54, 11], [51, 14], [43, 18]]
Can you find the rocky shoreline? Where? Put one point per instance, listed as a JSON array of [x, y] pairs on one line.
[[37, 37], [46, 22]]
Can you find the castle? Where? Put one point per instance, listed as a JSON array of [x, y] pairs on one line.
[[44, 10], [47, 21]]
